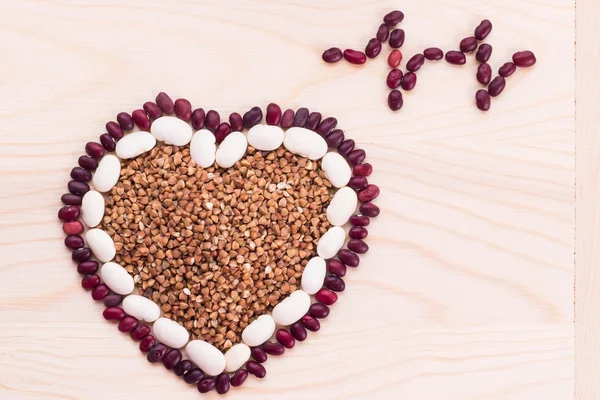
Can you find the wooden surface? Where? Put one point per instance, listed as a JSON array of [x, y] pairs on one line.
[[468, 290]]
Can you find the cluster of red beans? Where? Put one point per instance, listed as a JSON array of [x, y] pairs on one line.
[[157, 352], [407, 80]]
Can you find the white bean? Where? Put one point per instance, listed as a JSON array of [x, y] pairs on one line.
[[107, 174], [265, 137], [101, 244], [342, 206], [116, 278], [236, 357], [203, 148], [259, 331], [337, 169], [170, 333], [206, 356], [172, 130], [135, 144], [92, 208], [231, 150], [292, 308], [331, 242], [305, 143], [141, 307], [313, 275]]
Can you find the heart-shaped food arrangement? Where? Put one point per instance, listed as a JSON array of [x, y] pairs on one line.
[[215, 244]]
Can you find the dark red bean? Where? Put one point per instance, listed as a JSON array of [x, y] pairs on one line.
[[433, 53], [125, 121], [88, 267], [456, 57], [314, 119], [83, 254], [165, 103], [349, 258], [193, 375], [69, 213], [94, 150], [113, 314], [358, 182], [73, 228], [235, 122], [183, 109], [483, 30], [88, 163], [223, 383], [146, 343], [356, 156], [395, 100], [369, 209], [336, 267], [108, 142], [259, 354], [252, 117], [383, 32], [74, 241], [140, 332], [326, 126], [484, 53], [409, 81], [484, 73], [360, 220], [373, 48], [113, 300], [311, 323], [394, 78], [285, 338], [287, 119], [141, 119], [273, 116], [362, 169], [358, 232], [153, 110], [334, 283], [171, 359], [182, 367], [71, 199], [326, 297], [212, 121], [335, 138], [483, 100], [393, 18], [357, 246], [256, 369], [127, 324], [415, 63], [397, 38], [507, 69], [524, 59], [156, 353], [207, 384], [319, 310], [496, 86], [77, 187], [222, 132], [332, 55], [468, 44], [301, 117], [273, 348], [394, 58], [298, 331], [90, 282], [239, 377], [115, 130], [198, 118], [355, 56], [346, 147], [370, 193]]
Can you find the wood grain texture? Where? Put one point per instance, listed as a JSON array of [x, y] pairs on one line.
[[467, 292]]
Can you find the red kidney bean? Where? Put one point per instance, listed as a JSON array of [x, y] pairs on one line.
[[355, 56], [334, 283], [346, 147], [483, 30], [198, 118], [394, 78], [395, 100], [125, 121], [171, 359], [370, 193], [140, 332], [483, 100], [223, 383], [273, 116], [298, 331], [358, 182], [236, 122], [193, 375], [326, 297], [153, 110], [94, 150], [497, 86], [285, 338], [83, 254], [113, 314], [319, 310], [409, 81], [212, 121], [71, 199], [507, 70], [335, 138], [524, 59], [362, 169], [107, 142], [287, 119], [393, 18], [397, 38], [239, 377], [383, 32], [301, 117], [415, 63], [349, 258], [165, 103], [222, 132], [88, 163], [259, 354], [114, 130], [358, 232], [146, 343], [256, 369], [74, 242], [311, 323], [358, 246], [208, 384], [356, 157], [141, 119], [456, 57], [484, 53], [273, 348], [484, 73], [182, 367], [394, 58], [433, 53], [468, 44], [183, 109], [314, 119], [336, 267], [252, 117], [77, 187], [127, 324], [157, 352], [360, 220], [69, 213], [332, 55], [369, 209], [373, 48], [87, 267], [73, 228], [113, 300], [326, 126], [90, 282]]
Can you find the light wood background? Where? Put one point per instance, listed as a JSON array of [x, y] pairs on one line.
[[468, 291]]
